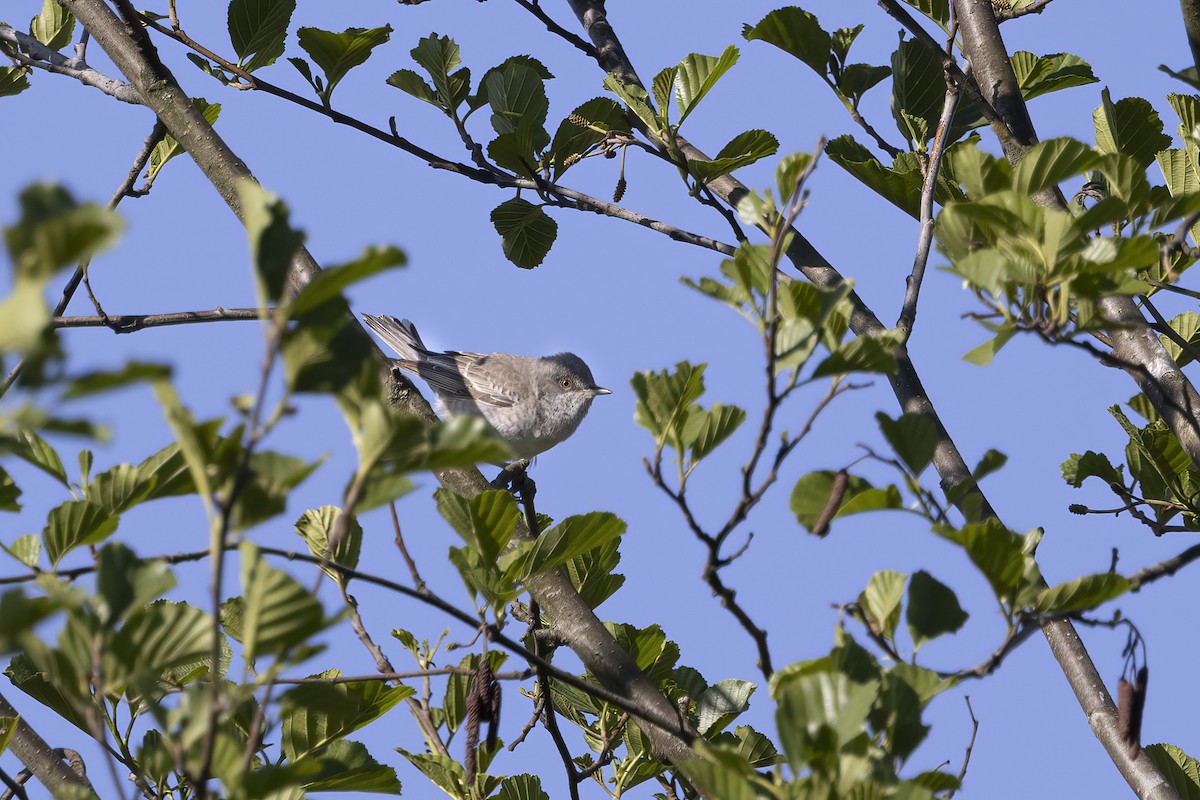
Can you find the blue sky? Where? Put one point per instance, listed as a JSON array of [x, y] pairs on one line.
[[610, 292]]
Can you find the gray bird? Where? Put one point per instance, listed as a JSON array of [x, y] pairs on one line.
[[532, 403]]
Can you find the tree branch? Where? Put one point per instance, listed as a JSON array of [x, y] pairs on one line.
[[43, 57], [46, 764], [131, 323], [1191, 26], [955, 475], [908, 311], [1133, 340]]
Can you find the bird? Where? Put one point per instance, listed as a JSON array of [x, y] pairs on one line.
[[532, 403]]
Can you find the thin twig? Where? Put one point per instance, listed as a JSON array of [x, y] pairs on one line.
[[908, 311], [1163, 568], [962, 773], [576, 41], [16, 786], [131, 323]]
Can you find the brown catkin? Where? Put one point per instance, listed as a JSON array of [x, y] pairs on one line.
[[837, 492]]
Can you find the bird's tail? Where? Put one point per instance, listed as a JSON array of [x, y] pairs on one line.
[[399, 334]]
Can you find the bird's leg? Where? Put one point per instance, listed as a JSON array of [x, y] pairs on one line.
[[511, 475]]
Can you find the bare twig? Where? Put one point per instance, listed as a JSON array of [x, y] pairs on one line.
[[131, 323], [908, 311], [1163, 568], [962, 773], [534, 7]]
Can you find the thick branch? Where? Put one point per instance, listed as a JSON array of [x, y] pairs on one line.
[[41, 759], [1133, 341], [955, 475], [1191, 25]]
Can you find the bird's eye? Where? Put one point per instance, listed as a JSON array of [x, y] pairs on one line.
[[565, 383]]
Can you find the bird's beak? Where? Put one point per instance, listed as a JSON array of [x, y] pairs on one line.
[[599, 390]]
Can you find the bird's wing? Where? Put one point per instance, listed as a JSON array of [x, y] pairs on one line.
[[479, 378], [459, 376]]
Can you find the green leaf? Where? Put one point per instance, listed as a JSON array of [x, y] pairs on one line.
[[856, 80], [91, 383], [997, 551], [27, 549], [18, 616], [898, 184], [480, 98], [1039, 75], [169, 147], [584, 128], [279, 612], [13, 80], [273, 241], [347, 767], [913, 437], [411, 83], [33, 449], [918, 90], [721, 703], [1048, 163], [54, 26], [880, 602], [315, 714], [936, 10], [517, 95], [1187, 325], [1130, 127], [521, 787], [811, 496], [637, 100], [933, 609], [591, 573], [743, 149], [76, 523], [329, 282], [439, 56], [794, 31], [10, 493], [316, 525], [123, 582], [1081, 594], [715, 426], [338, 53], [526, 232], [160, 639], [1079, 467], [1181, 770], [54, 231], [819, 713], [572, 537], [697, 74], [257, 30], [665, 400], [983, 354], [8, 727], [861, 354]]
